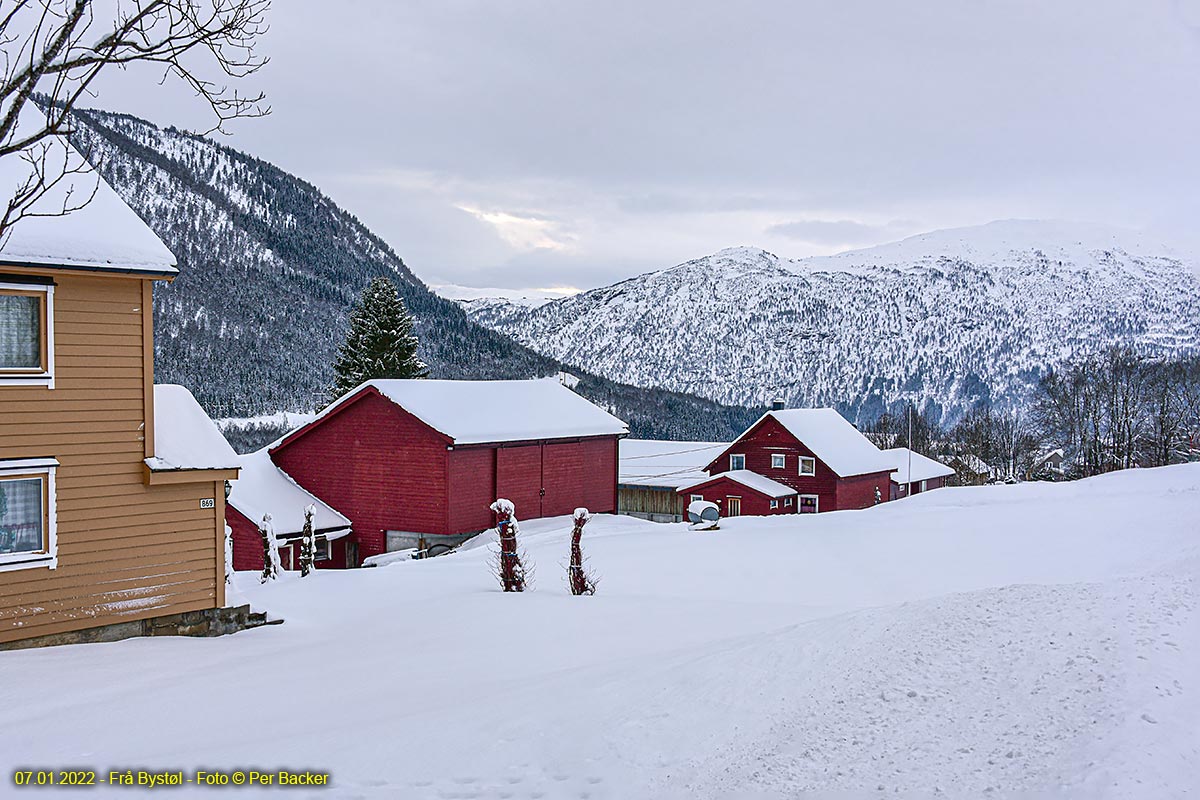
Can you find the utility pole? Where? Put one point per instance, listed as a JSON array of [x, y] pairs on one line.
[[908, 490]]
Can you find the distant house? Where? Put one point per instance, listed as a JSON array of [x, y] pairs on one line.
[[417, 463], [262, 489], [1048, 465], [814, 451], [970, 469], [926, 473], [651, 471]]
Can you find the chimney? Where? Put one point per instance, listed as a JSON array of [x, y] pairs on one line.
[[778, 405]]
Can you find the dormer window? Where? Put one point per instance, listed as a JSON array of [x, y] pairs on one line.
[[26, 334], [737, 462]]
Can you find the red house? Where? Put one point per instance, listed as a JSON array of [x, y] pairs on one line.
[[743, 492], [262, 490], [814, 452], [416, 463]]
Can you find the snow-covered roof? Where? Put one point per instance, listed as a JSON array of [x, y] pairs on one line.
[[474, 412], [834, 440], [105, 234], [655, 462], [924, 468], [184, 436], [973, 463], [263, 488], [751, 480]]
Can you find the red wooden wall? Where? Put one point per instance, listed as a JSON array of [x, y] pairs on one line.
[[859, 491], [378, 465], [248, 545], [769, 437], [754, 504]]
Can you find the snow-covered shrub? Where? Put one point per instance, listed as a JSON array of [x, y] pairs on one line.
[[271, 562], [509, 563], [308, 544], [578, 578]]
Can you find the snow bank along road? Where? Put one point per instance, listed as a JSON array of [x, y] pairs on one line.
[[1034, 640]]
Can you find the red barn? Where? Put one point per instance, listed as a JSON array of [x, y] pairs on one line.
[[416, 463], [813, 451], [263, 489]]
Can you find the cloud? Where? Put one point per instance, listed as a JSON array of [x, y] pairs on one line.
[[523, 232], [841, 231]]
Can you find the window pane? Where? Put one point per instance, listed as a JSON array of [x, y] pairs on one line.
[[737, 462], [21, 516], [20, 332]]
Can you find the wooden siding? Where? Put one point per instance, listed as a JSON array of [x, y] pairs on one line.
[[859, 491], [769, 437], [579, 474], [126, 551], [754, 503], [377, 464], [472, 489], [651, 500]]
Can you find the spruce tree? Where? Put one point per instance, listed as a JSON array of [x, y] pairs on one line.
[[380, 343]]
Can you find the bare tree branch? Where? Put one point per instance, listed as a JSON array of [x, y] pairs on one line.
[[53, 51]]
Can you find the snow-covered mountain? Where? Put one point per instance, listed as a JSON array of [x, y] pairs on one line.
[[947, 318], [269, 268]]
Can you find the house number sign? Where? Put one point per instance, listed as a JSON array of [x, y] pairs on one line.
[[208, 502]]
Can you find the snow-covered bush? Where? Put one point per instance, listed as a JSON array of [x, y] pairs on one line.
[[308, 544], [509, 563], [578, 578], [271, 562]]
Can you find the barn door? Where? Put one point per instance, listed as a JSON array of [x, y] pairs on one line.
[[733, 506]]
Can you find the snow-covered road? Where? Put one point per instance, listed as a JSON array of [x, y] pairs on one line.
[[1031, 640]]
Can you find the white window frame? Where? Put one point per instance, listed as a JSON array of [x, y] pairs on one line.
[[732, 456], [781, 458], [774, 503], [24, 467], [812, 462], [12, 377], [787, 502], [816, 502], [696, 498]]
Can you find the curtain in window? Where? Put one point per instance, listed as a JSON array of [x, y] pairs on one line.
[[21, 516], [20, 334]]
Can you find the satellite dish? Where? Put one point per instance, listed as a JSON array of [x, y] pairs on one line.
[[703, 515]]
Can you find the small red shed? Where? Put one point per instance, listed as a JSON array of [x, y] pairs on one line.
[[416, 463], [263, 489], [742, 492], [816, 452]]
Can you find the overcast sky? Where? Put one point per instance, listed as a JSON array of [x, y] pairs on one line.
[[538, 144]]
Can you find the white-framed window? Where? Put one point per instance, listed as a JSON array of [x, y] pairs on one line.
[[737, 462], [27, 514], [787, 502], [696, 498], [809, 504], [808, 466], [774, 504], [778, 461], [26, 334]]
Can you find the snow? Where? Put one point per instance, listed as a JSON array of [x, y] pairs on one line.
[[751, 480], [833, 440], [184, 436], [474, 412], [529, 298], [104, 234], [1033, 640], [657, 462], [924, 468], [263, 488]]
